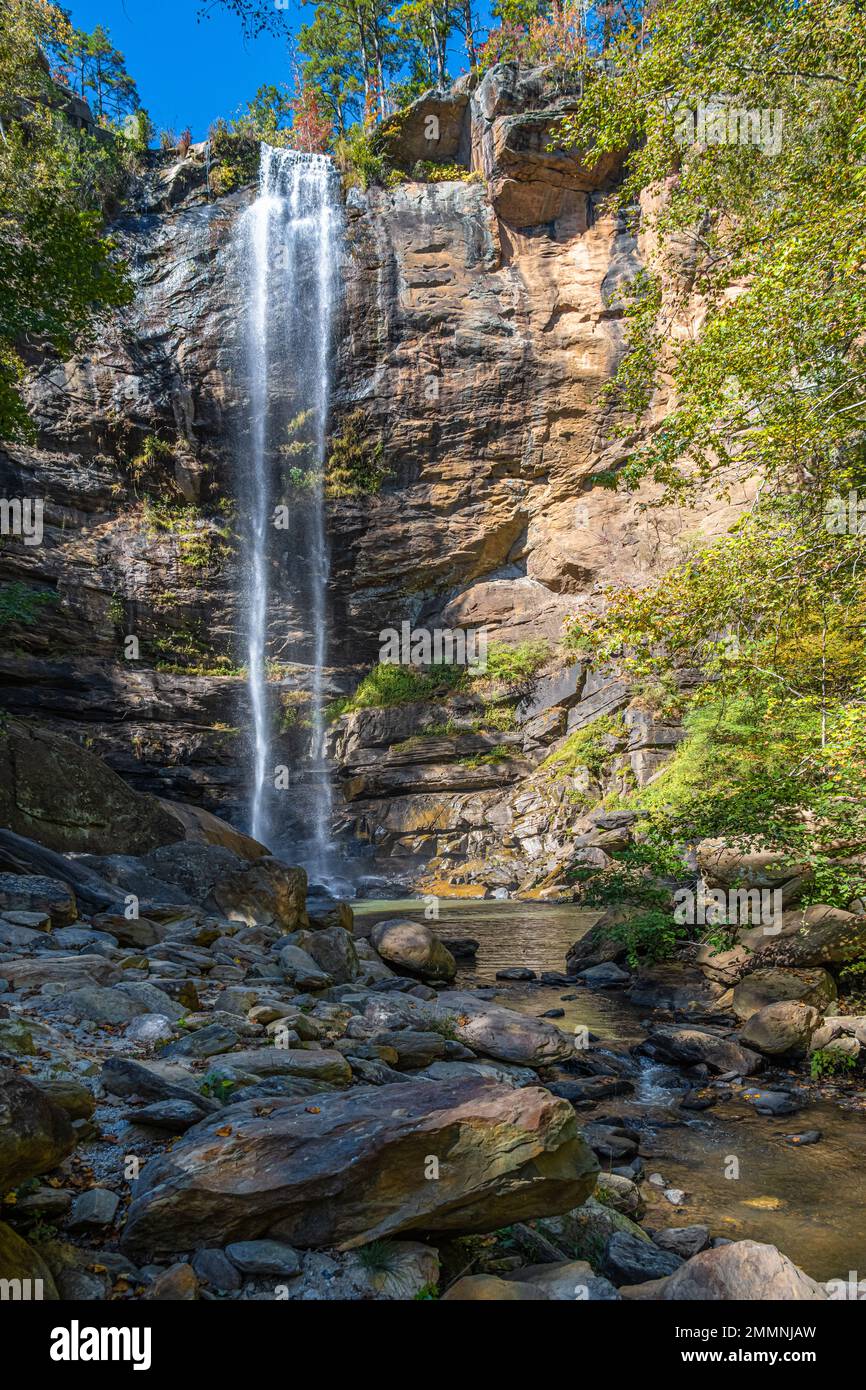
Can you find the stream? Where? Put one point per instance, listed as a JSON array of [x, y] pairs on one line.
[[808, 1201]]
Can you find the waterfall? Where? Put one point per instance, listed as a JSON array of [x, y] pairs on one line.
[[288, 247]]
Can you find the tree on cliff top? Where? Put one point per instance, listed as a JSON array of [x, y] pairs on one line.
[[58, 271]]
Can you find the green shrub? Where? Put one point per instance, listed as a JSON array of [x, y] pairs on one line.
[[356, 466], [831, 1061], [649, 936], [360, 158], [21, 605]]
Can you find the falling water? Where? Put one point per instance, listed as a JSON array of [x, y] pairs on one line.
[[288, 252]]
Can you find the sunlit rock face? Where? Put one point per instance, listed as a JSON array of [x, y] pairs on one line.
[[478, 324]]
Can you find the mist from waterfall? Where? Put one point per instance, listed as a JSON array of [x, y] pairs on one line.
[[288, 251]]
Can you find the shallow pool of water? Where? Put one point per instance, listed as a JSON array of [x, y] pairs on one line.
[[810, 1202]]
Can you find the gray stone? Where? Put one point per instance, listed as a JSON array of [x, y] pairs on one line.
[[96, 1207], [261, 1257], [628, 1260]]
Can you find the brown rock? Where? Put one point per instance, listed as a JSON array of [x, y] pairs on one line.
[[349, 1167]]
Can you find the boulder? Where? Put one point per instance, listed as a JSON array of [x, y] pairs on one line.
[[566, 1282], [99, 1004], [691, 1046], [428, 129], [628, 1260], [487, 1028], [264, 892], [37, 893], [816, 936], [781, 1029], [774, 986], [411, 948], [361, 1164], [725, 866], [301, 971], [57, 792], [316, 1064], [20, 1261], [596, 947], [745, 1270], [684, 1241], [489, 1288], [35, 1134], [583, 1233], [52, 967], [153, 1081], [333, 950]]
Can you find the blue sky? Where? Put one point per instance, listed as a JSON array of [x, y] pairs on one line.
[[191, 71]]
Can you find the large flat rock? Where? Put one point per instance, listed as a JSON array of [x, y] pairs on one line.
[[346, 1168]]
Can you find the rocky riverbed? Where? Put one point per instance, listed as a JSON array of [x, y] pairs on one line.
[[239, 1094]]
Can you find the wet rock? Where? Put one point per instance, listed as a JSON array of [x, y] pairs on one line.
[[412, 948], [744, 1270], [606, 976], [699, 1100], [516, 972], [461, 947], [804, 1139], [35, 1134], [350, 1168], [772, 1102], [691, 1045], [609, 1142], [628, 1260], [588, 1090], [263, 1257], [779, 1030]]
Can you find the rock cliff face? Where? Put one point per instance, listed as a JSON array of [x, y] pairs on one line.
[[479, 325]]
